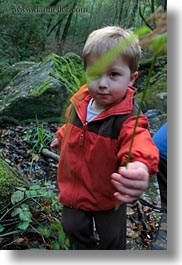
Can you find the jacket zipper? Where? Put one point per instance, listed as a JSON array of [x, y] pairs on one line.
[[81, 143], [82, 136]]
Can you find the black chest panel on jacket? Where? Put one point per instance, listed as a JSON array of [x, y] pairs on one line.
[[107, 127]]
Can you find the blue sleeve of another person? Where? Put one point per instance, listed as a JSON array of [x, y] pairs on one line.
[[160, 139]]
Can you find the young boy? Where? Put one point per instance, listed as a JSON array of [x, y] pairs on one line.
[[92, 176]]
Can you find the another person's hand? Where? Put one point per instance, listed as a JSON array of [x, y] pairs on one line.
[[130, 182]]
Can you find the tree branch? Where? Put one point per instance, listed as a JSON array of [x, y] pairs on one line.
[[144, 20], [45, 152]]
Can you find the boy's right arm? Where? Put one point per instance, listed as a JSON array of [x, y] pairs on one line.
[[56, 143]]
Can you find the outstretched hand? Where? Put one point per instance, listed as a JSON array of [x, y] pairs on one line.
[[130, 182]]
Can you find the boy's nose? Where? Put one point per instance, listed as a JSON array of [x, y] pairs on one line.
[[102, 82]]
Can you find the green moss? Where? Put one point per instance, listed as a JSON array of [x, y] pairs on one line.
[[41, 89], [158, 84], [9, 179], [68, 69], [159, 79], [51, 57], [146, 62]]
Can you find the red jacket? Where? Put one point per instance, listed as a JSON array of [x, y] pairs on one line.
[[91, 152]]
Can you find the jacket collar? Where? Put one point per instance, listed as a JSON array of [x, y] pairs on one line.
[[81, 98]]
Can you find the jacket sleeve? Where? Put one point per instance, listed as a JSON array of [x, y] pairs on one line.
[[143, 149], [60, 133]]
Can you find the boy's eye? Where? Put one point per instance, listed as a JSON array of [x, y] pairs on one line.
[[113, 74], [92, 75]]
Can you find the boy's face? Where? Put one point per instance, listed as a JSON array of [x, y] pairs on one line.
[[110, 87]]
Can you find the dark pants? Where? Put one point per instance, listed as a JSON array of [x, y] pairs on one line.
[[110, 227], [162, 180]]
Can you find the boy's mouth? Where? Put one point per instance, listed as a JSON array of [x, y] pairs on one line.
[[103, 94]]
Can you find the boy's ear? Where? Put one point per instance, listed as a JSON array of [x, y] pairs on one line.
[[133, 77]]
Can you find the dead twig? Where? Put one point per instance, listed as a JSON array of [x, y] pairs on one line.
[[45, 152]]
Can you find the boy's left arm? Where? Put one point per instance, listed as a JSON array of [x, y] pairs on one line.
[[132, 180]]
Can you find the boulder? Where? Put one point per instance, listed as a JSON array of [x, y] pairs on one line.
[[41, 90], [156, 97], [156, 123], [9, 180]]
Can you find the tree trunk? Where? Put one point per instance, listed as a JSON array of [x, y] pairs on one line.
[[133, 13], [66, 28]]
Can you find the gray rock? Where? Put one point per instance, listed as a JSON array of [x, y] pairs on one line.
[[156, 123], [41, 89]]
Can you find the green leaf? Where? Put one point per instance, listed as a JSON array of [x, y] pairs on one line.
[[23, 225], [35, 187], [26, 216], [67, 242], [61, 236], [55, 245], [17, 196], [16, 211], [46, 232], [43, 192], [142, 30], [159, 43], [1, 228], [56, 227], [21, 188], [31, 193], [25, 207]]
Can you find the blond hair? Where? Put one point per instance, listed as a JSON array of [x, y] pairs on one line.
[[102, 40]]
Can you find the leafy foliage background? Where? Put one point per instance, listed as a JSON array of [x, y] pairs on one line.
[[31, 31]]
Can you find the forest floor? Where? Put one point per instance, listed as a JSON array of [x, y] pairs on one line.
[[20, 146]]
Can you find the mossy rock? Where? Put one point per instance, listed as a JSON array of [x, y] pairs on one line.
[[156, 97], [43, 89], [9, 180]]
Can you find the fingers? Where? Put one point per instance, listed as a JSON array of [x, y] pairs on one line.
[[134, 172], [124, 198], [52, 145], [127, 191], [55, 144], [119, 180]]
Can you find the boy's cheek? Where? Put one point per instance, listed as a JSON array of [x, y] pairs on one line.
[[92, 89]]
